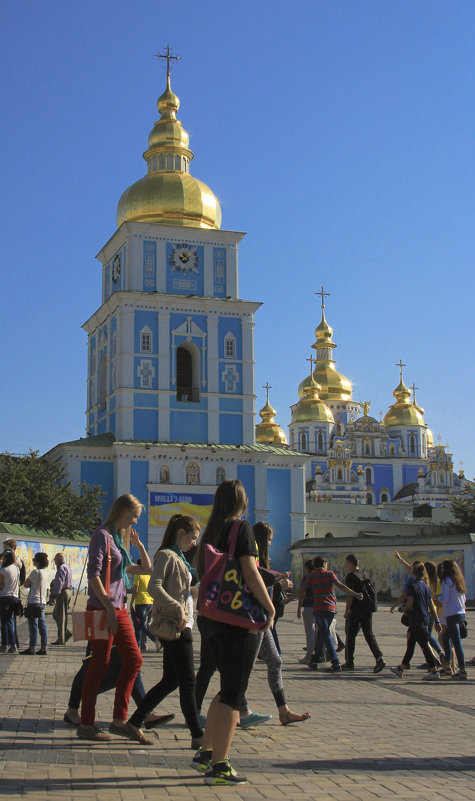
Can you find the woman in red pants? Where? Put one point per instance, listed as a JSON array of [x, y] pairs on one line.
[[108, 537]]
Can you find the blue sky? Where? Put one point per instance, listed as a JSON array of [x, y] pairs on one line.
[[338, 135]]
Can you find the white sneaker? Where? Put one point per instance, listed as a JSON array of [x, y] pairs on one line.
[[432, 676]]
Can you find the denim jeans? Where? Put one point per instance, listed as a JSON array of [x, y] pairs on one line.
[[36, 624], [7, 619], [451, 637], [323, 621], [141, 632]]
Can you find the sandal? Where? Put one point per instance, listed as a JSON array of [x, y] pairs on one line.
[[130, 732], [293, 717]]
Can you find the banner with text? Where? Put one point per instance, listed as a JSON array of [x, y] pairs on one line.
[[163, 505]]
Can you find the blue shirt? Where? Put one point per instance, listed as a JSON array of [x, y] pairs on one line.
[[421, 595]]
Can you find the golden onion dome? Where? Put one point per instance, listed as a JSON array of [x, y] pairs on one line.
[[403, 412], [334, 385], [430, 437], [310, 408], [168, 194], [268, 431]]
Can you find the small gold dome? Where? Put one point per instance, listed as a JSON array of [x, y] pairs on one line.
[[268, 431], [403, 412], [430, 437], [310, 407], [168, 194]]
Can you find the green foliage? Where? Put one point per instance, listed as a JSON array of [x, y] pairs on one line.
[[36, 493], [463, 507]]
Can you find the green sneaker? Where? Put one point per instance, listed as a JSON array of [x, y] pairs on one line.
[[201, 760], [223, 773]]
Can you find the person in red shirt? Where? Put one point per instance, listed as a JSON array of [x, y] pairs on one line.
[[322, 581]]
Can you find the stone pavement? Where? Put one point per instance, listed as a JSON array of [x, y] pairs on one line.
[[369, 737]]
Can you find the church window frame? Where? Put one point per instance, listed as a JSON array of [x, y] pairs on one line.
[[146, 340], [193, 473], [220, 475], [412, 445], [169, 160], [303, 441], [229, 346], [164, 474], [368, 475], [320, 441], [339, 474], [369, 499]]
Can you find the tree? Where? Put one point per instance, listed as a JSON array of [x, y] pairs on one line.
[[463, 507], [36, 493]]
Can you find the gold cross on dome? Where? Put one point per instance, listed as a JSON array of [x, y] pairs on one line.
[[169, 57], [311, 360], [414, 393], [267, 387], [401, 364], [322, 295]]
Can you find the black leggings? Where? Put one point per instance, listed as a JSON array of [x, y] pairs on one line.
[[419, 635], [178, 671]]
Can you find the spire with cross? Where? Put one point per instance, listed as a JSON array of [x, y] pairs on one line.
[[322, 295], [400, 364], [267, 387], [414, 394], [311, 360], [168, 55]]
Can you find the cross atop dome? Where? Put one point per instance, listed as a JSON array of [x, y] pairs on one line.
[[401, 364], [322, 295], [169, 57]]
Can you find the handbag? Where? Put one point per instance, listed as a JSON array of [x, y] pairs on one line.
[[165, 628], [463, 629], [91, 624], [405, 619], [33, 611], [18, 610], [224, 595]]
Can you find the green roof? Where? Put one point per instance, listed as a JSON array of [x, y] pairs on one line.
[[18, 531], [106, 440], [377, 541]]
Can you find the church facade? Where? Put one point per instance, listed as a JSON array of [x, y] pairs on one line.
[[355, 458], [170, 376]]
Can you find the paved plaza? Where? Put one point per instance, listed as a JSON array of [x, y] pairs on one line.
[[369, 737]]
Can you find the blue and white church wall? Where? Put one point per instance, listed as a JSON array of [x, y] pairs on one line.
[[180, 477]]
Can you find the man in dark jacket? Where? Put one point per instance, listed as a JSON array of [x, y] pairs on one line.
[[357, 615]]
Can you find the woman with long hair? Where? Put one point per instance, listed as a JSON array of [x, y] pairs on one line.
[[268, 652], [452, 595], [169, 586], [35, 610], [234, 648], [108, 539], [419, 605], [9, 595]]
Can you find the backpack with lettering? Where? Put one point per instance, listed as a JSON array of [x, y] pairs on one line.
[[369, 603]]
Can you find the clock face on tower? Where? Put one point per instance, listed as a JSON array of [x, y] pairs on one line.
[[116, 269], [184, 259]]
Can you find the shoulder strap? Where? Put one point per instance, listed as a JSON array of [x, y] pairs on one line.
[[232, 537]]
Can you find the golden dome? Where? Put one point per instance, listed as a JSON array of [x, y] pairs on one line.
[[334, 385], [430, 437], [403, 412], [310, 407], [268, 431], [168, 194]]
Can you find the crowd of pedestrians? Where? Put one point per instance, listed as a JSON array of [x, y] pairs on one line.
[[432, 599]]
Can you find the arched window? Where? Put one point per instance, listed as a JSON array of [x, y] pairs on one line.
[[384, 497], [441, 477], [320, 441], [229, 346], [329, 535], [146, 340], [369, 498], [187, 383], [192, 473], [339, 474], [412, 444], [220, 475], [338, 429], [164, 475], [303, 441], [392, 450], [367, 475]]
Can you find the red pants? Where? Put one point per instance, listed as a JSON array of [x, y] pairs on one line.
[[131, 664]]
